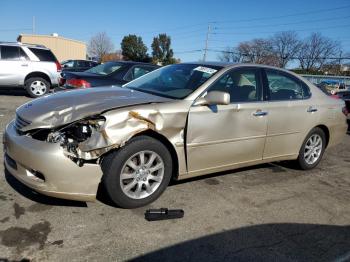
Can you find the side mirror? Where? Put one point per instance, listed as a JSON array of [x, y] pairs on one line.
[[214, 98], [65, 66]]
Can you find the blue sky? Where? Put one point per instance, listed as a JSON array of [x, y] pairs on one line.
[[185, 21]]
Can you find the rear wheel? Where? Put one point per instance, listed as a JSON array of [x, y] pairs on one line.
[[37, 86], [138, 173], [312, 149]]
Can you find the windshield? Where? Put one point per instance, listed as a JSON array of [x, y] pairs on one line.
[[174, 81], [105, 69]]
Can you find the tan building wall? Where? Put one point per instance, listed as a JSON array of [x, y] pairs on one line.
[[63, 48]]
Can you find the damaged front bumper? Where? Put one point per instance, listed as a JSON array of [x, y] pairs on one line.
[[43, 167]]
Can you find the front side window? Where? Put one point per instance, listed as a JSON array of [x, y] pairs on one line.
[[174, 81], [106, 68], [284, 87], [10, 53], [243, 85]]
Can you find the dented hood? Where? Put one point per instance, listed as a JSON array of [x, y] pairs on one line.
[[66, 107]]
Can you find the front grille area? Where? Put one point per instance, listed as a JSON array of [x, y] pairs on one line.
[[20, 122]]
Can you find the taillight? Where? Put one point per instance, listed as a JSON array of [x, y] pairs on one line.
[[78, 83], [335, 96], [58, 66], [345, 111]]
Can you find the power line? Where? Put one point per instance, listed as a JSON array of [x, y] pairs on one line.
[[283, 24], [244, 54], [282, 16], [15, 29], [271, 32]]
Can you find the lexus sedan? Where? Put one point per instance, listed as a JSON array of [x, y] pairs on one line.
[[176, 122], [109, 73]]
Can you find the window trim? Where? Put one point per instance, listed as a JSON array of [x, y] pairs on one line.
[[260, 79], [288, 75], [16, 60]]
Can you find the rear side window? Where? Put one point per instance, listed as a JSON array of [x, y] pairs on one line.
[[43, 54], [138, 71], [284, 87], [10, 52]]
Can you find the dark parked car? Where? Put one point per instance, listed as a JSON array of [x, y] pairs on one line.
[[109, 73], [77, 65]]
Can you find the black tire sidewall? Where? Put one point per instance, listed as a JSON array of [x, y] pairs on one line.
[[301, 160], [112, 166], [31, 80]]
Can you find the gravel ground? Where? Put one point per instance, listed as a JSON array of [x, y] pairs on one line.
[[269, 212]]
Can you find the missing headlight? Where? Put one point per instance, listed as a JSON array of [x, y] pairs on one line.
[[71, 135]]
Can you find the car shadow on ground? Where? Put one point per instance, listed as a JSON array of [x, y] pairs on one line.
[[275, 167], [282, 166], [37, 197], [13, 92], [267, 242]]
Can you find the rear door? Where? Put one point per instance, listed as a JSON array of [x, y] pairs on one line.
[[291, 113], [13, 65]]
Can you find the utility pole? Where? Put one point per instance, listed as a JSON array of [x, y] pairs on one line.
[[33, 25], [206, 44], [340, 62]]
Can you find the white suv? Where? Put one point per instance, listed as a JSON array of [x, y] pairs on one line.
[[33, 67]]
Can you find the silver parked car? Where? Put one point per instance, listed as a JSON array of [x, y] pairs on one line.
[[177, 122], [33, 67]]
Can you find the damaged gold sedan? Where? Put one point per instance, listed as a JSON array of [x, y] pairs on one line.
[[176, 122]]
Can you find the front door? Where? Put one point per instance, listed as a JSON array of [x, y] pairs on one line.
[[220, 136]]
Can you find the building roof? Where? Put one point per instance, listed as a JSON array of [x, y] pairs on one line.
[[49, 36]]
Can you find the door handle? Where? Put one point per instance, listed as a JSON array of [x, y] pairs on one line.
[[260, 113], [24, 64], [311, 109]]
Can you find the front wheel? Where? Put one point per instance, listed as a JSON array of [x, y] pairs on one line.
[[138, 173], [312, 150]]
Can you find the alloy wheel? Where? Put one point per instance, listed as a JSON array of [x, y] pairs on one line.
[[142, 174], [313, 149], [38, 88]]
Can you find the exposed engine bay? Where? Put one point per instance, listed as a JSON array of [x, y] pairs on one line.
[[70, 136]]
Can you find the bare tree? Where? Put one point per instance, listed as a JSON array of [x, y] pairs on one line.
[[315, 50], [230, 54], [285, 46], [258, 51], [100, 45]]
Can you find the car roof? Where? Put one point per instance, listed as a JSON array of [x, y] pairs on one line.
[[132, 63], [211, 63], [23, 44], [231, 64]]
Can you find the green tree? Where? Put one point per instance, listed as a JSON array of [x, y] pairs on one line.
[[134, 49], [161, 50]]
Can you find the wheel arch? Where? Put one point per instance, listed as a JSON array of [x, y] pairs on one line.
[[325, 129], [38, 74], [167, 144]]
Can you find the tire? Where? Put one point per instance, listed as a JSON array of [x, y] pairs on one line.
[[37, 87], [310, 153], [129, 190]]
